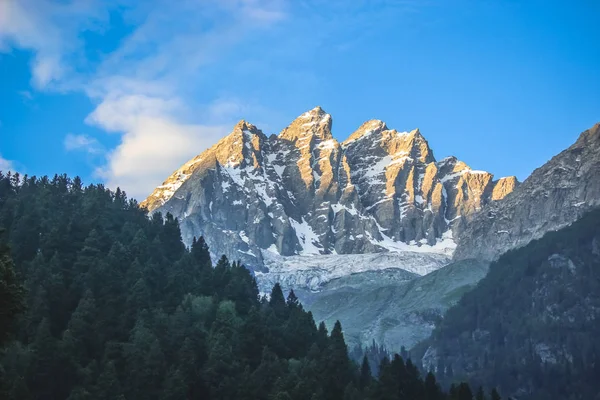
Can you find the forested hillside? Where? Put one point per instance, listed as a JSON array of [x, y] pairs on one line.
[[532, 325], [116, 307]]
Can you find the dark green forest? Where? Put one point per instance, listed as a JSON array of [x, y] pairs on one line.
[[100, 301], [532, 325], [374, 354]]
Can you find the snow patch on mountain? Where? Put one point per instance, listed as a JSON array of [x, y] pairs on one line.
[[312, 271], [307, 238], [445, 245]]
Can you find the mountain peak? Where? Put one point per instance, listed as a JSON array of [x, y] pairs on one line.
[[316, 110], [367, 128], [315, 122], [591, 134], [244, 125]]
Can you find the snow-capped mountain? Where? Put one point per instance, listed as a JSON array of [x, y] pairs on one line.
[[303, 193]]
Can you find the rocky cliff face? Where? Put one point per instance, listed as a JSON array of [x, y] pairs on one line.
[[554, 196], [303, 192]]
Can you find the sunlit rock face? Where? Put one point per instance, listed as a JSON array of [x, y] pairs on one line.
[[302, 192]]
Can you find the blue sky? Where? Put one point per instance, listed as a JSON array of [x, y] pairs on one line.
[[123, 92]]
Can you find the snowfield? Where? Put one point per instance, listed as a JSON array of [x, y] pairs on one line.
[[312, 272]]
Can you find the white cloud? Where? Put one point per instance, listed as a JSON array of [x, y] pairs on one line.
[[26, 95], [227, 108], [83, 143], [153, 143], [50, 29], [5, 165], [262, 11], [46, 69]]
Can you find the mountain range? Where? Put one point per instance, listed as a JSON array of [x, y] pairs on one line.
[[373, 230], [304, 193]]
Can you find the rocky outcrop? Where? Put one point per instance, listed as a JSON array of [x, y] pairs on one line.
[[302, 192], [555, 195]]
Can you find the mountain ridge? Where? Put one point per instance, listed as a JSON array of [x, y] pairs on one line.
[[555, 195], [304, 192]]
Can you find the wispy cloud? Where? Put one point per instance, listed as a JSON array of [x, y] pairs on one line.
[[26, 95], [263, 11], [5, 165], [84, 143], [50, 29], [153, 141]]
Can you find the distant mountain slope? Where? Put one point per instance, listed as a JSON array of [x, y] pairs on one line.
[[555, 195], [391, 306], [304, 193], [532, 325]]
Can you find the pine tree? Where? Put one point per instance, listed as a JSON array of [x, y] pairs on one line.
[[432, 388], [221, 275], [322, 336], [292, 300], [12, 294], [282, 396], [108, 386], [44, 367], [175, 387], [19, 390], [414, 387], [480, 394], [338, 370], [464, 392], [365, 374], [453, 392], [388, 387], [277, 302], [79, 393], [494, 395], [200, 252], [351, 393], [82, 329]]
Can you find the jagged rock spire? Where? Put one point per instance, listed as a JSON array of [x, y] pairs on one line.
[[313, 123], [373, 126]]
